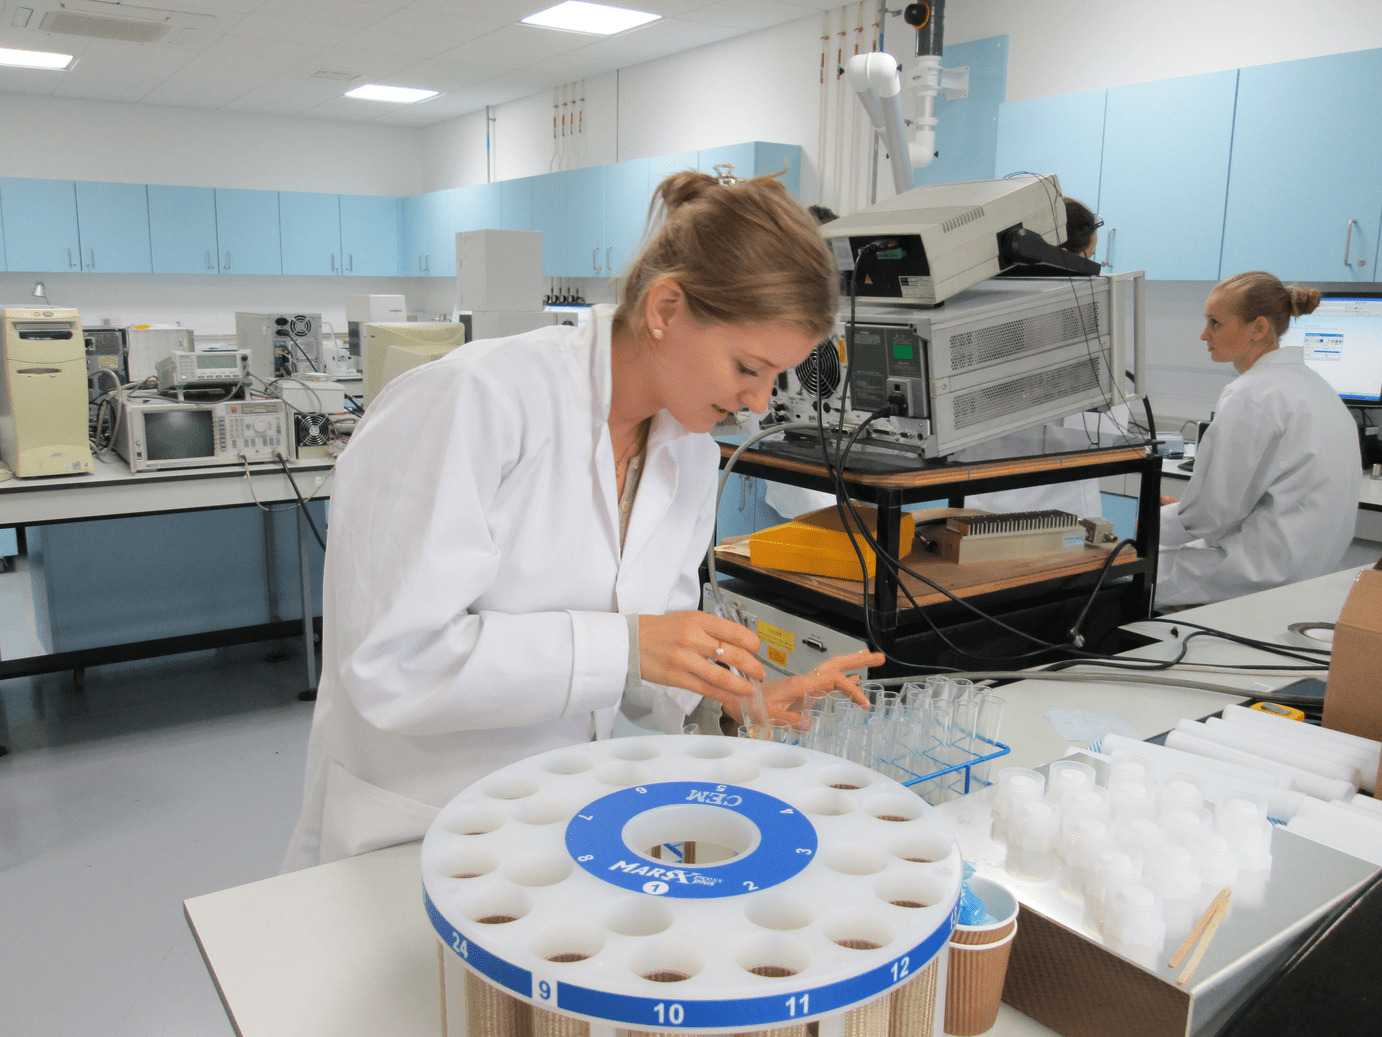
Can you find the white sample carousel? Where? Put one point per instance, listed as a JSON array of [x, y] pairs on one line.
[[689, 884]]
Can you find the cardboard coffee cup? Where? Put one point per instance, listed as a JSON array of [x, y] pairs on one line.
[[979, 962]]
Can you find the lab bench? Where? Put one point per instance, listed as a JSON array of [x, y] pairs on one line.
[[1041, 595], [346, 948], [88, 547]]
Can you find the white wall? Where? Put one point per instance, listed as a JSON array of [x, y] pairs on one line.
[[208, 304], [63, 139], [1064, 46]]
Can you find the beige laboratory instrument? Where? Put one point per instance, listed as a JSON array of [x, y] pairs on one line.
[[43, 395]]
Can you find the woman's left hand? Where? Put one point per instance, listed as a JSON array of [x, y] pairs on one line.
[[781, 696]]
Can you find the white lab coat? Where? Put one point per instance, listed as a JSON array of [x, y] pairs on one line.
[[1274, 494], [474, 582]]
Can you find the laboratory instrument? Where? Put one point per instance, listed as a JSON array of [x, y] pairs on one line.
[[1001, 357], [686, 883], [153, 433], [387, 349], [202, 370], [43, 392], [925, 245], [147, 344], [370, 309], [280, 341]]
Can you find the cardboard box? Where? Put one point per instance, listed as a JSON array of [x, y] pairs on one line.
[[1063, 976], [1353, 691]]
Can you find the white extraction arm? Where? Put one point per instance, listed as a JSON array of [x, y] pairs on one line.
[[877, 79]]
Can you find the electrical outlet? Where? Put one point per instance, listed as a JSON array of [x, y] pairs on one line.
[[111, 320]]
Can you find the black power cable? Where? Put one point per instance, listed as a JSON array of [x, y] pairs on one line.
[[302, 504]]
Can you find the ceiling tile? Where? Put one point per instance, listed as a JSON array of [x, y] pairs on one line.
[[350, 13], [748, 15], [29, 81], [97, 80], [292, 30], [372, 66], [520, 44], [396, 45], [181, 92], [474, 20], [297, 91], [237, 48]]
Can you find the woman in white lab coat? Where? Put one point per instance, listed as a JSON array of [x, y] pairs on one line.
[[516, 528], [1275, 487]]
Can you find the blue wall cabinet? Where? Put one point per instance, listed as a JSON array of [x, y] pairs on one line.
[[742, 157], [40, 224], [369, 235], [549, 217], [411, 247], [660, 167], [627, 193], [478, 208], [1304, 178], [113, 226], [310, 225], [585, 216], [4, 264], [756, 158], [429, 244], [1062, 135], [1165, 167], [182, 229], [516, 204], [247, 231]]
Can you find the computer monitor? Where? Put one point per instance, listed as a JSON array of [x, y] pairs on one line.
[[1342, 341], [390, 348]]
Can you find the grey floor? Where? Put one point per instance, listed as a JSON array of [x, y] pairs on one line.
[[162, 780]]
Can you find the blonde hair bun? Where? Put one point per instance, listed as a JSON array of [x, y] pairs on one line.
[[742, 252]]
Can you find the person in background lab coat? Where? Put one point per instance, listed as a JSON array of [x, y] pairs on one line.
[[517, 528], [1274, 491]]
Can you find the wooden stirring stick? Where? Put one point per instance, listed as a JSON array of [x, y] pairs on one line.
[[1209, 913], [1219, 910]]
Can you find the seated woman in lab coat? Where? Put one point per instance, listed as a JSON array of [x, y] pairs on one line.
[[1275, 487], [516, 529]]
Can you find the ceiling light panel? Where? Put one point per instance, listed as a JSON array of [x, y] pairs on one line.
[[595, 19], [396, 94], [35, 59]]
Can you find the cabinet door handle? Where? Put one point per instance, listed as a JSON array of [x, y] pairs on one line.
[[609, 263], [69, 256], [1108, 248], [227, 266], [333, 263], [208, 260], [1348, 242], [428, 267], [595, 258], [350, 261], [93, 258], [419, 262]]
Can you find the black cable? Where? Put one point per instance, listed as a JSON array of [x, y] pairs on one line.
[[301, 503], [293, 339], [1077, 638]]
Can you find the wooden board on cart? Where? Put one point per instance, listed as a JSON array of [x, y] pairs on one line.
[[964, 581]]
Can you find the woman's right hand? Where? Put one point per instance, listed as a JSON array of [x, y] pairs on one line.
[[1169, 500], [681, 649]]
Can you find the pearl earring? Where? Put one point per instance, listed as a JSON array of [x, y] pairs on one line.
[[657, 334]]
